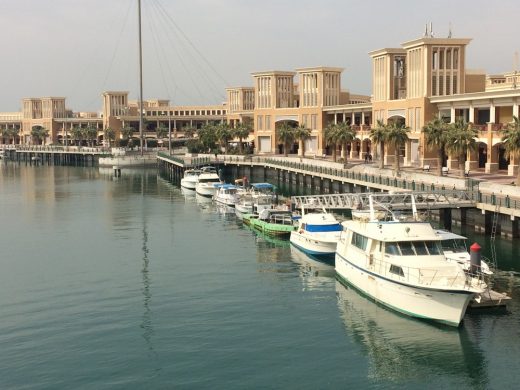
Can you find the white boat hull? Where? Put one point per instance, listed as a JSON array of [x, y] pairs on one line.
[[313, 244], [189, 184], [446, 306], [230, 202], [205, 190]]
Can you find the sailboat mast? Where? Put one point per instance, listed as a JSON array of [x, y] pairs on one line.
[[140, 79]]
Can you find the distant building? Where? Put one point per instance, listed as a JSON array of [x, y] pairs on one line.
[[412, 84]]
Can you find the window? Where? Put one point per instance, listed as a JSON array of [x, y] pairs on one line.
[[420, 248], [268, 122], [391, 248], [359, 241], [259, 121], [406, 248], [433, 247], [396, 270]]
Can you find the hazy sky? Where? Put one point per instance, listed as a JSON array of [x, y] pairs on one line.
[[194, 49]]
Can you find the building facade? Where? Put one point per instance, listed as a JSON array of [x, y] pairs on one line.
[[412, 84]]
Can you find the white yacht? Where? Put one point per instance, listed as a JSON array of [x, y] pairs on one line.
[[317, 233], [401, 265], [252, 204], [226, 194], [190, 179], [206, 184], [456, 251]]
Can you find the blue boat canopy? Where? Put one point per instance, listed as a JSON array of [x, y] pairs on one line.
[[335, 227], [225, 186], [262, 186]]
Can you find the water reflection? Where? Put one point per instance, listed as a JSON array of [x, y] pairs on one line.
[[313, 272], [400, 349]]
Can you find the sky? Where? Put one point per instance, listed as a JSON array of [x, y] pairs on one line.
[[194, 49]]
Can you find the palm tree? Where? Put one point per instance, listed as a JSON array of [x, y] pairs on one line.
[[77, 135], [435, 136], [397, 136], [189, 132], [161, 132], [127, 132], [109, 135], [511, 140], [39, 134], [241, 131], [90, 134], [345, 134], [378, 136], [331, 138], [207, 137], [302, 133], [286, 135], [461, 139], [10, 132], [224, 135]]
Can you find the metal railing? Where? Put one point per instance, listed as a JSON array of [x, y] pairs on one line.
[[471, 193]]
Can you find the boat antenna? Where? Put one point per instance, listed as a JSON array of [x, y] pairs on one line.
[[371, 205], [140, 78], [414, 208]]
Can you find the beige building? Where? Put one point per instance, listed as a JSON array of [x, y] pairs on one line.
[[412, 84]]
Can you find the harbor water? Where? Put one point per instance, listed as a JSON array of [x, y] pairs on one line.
[[129, 283]]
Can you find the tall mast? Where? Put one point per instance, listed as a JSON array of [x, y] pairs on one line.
[[140, 79]]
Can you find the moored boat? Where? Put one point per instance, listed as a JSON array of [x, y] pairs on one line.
[[190, 179], [226, 194], [456, 251], [206, 184], [402, 266], [273, 222], [317, 234]]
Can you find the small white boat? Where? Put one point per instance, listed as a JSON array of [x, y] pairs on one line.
[[190, 179], [317, 233], [253, 204], [206, 184], [401, 265], [226, 194], [456, 251]]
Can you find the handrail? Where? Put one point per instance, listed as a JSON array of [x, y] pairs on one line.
[[424, 276]]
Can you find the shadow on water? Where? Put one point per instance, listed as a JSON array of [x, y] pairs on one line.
[[402, 349]]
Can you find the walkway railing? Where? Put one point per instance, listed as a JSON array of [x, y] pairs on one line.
[[471, 191]]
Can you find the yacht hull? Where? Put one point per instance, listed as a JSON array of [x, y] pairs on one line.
[[188, 184], [204, 190], [313, 245], [445, 306]]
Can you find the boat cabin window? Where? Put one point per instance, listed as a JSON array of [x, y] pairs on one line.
[[406, 248], [454, 245], [392, 248], [412, 248], [396, 270], [359, 241]]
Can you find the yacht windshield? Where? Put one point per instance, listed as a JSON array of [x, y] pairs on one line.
[[412, 248], [455, 245]]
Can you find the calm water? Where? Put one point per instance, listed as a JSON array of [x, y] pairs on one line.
[[129, 283]]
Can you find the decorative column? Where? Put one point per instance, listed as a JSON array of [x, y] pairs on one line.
[[471, 113], [471, 160], [512, 168], [452, 114], [408, 152], [515, 109]]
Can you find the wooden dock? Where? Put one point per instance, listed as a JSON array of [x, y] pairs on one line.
[[490, 299]]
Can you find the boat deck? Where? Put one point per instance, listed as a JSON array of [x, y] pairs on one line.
[[490, 299]]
